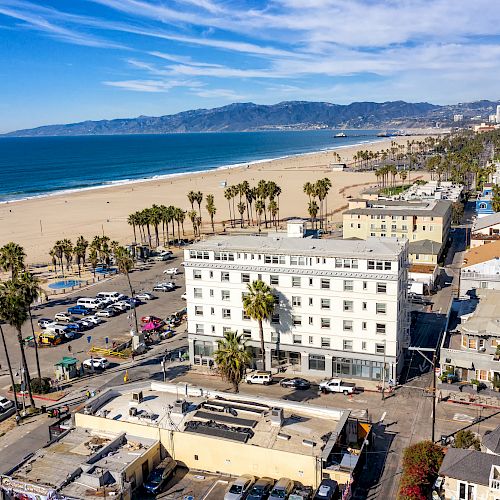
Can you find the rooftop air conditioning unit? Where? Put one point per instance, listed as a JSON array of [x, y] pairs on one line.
[[132, 411], [137, 397], [180, 406], [277, 416]]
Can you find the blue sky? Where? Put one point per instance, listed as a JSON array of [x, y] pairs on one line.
[[71, 60]]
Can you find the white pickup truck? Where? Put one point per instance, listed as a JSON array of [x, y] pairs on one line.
[[336, 385]]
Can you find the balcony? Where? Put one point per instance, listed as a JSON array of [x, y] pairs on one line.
[[495, 478], [485, 237], [495, 484]]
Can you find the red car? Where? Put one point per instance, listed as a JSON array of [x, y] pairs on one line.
[[154, 319]]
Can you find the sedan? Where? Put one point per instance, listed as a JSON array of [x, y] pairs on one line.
[[145, 296], [96, 363], [162, 288], [106, 313], [5, 404], [44, 322], [240, 487], [261, 489], [62, 316], [120, 306], [172, 271], [296, 383], [94, 320], [75, 326]]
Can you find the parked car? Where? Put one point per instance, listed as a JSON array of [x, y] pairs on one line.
[[106, 313], [62, 316], [163, 288], [419, 299], [84, 325], [96, 363], [145, 296], [75, 326], [336, 385], [79, 310], [263, 378], [240, 487], [110, 296], [44, 322], [120, 306], [94, 319], [69, 334], [133, 301], [147, 319], [171, 271], [160, 475], [296, 383], [301, 492], [260, 490], [5, 404], [281, 489], [327, 490]]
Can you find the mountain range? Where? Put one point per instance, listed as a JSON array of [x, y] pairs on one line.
[[288, 115]]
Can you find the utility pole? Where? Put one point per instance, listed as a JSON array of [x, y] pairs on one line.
[[433, 396], [383, 374]]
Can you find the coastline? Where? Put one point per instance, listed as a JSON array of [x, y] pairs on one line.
[[37, 223]]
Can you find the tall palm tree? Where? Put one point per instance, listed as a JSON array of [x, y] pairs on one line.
[[259, 208], [228, 194], [313, 211], [30, 286], [211, 209], [68, 251], [132, 221], [11, 373], [155, 219], [259, 304], [192, 198], [93, 258], [53, 259], [12, 258], [58, 250], [241, 210], [199, 198], [125, 263], [245, 189], [14, 311], [232, 358], [180, 217], [263, 191], [273, 210], [80, 252], [192, 214]]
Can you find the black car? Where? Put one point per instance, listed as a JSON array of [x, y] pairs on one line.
[[328, 490], [296, 383], [261, 489], [160, 475]]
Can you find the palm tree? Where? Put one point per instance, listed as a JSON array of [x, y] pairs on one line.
[[12, 258], [262, 190], [228, 194], [313, 211], [54, 259], [180, 216], [259, 208], [59, 253], [192, 198], [273, 210], [245, 190], [68, 251], [80, 252], [14, 311], [93, 258], [232, 358], [11, 373], [30, 285], [125, 263], [210, 206], [495, 202], [132, 221], [192, 214], [199, 198], [241, 210], [259, 303], [403, 175], [155, 218]]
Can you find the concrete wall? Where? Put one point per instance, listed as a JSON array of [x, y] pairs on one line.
[[451, 491]]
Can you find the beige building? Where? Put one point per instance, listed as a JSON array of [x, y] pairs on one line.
[[425, 224]]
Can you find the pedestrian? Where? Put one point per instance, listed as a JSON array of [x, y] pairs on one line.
[[133, 357], [69, 348]]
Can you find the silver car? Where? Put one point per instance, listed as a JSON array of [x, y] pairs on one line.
[[240, 487]]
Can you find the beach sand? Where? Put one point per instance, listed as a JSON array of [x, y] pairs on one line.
[[36, 224]]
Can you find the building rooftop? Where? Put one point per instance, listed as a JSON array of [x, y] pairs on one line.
[[425, 247], [380, 248], [430, 208], [468, 465], [484, 319], [491, 441], [482, 253], [487, 221]]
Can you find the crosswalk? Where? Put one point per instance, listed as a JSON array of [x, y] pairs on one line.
[[462, 417]]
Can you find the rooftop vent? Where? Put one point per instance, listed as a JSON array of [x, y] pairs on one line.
[[277, 416], [308, 442]]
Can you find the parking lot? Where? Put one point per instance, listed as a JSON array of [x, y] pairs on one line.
[[114, 329]]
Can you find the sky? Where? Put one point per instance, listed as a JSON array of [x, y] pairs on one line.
[[64, 61]]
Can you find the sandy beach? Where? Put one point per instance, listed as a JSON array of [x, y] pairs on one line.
[[37, 223]]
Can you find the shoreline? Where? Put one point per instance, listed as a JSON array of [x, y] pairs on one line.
[[37, 223], [159, 177]]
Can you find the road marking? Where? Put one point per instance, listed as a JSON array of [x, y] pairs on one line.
[[462, 417], [383, 416]]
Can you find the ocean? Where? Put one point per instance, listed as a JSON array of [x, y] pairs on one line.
[[41, 166]]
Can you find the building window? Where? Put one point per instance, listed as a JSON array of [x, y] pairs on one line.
[[364, 306], [347, 345], [466, 491], [198, 310], [381, 308], [296, 320], [316, 362], [274, 259], [197, 293], [363, 346], [311, 339], [310, 282], [203, 348], [297, 261], [338, 262], [472, 344], [387, 265], [380, 348], [296, 301], [245, 278], [325, 341], [246, 334], [325, 303], [381, 287], [199, 328], [226, 313], [211, 274], [380, 328], [225, 294], [363, 325], [224, 256], [348, 285], [212, 311], [226, 329], [365, 285], [274, 279], [347, 325], [325, 283], [212, 328], [275, 318], [483, 284], [310, 320], [196, 274], [310, 301], [296, 281], [325, 322], [348, 305], [245, 316], [297, 339], [211, 293], [224, 276]]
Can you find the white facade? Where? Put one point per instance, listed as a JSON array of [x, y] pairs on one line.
[[341, 304], [483, 276], [498, 114]]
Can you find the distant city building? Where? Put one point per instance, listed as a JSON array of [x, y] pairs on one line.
[[498, 114], [492, 119], [485, 230], [484, 127], [340, 305], [458, 118], [469, 351], [484, 202], [481, 268], [425, 224]]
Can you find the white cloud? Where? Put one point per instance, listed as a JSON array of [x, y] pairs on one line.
[[148, 85]]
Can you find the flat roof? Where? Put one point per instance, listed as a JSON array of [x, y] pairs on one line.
[[381, 248], [484, 319], [482, 253], [487, 221], [428, 208], [300, 422]]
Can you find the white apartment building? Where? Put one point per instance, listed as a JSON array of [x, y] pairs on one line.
[[340, 304]]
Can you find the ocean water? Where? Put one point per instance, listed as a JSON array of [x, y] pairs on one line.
[[41, 166]]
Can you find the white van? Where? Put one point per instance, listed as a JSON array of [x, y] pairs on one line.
[[113, 296], [263, 378], [89, 303]]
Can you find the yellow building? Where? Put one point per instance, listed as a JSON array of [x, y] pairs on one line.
[[425, 224]]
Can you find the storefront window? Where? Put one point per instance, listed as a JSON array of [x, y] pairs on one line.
[[316, 362]]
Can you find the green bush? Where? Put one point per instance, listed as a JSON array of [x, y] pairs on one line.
[[467, 440], [38, 386]]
